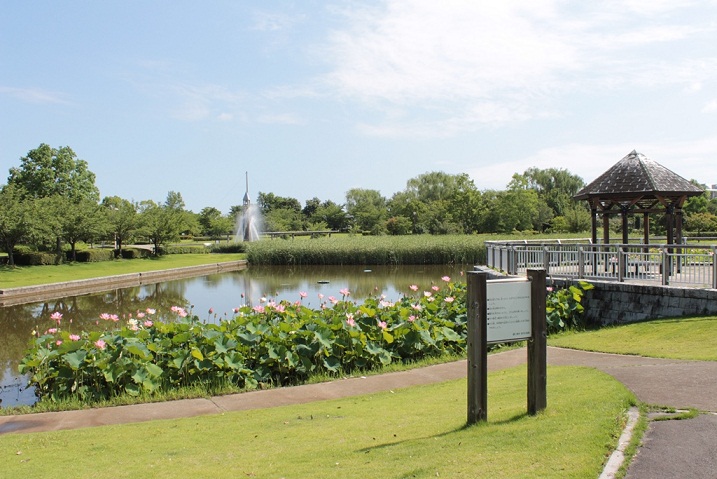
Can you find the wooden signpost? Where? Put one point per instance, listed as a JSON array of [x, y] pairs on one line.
[[506, 311]]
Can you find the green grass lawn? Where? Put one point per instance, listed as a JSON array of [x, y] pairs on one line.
[[34, 275], [416, 432], [679, 338]]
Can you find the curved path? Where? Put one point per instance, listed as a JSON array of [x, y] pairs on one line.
[[686, 448]]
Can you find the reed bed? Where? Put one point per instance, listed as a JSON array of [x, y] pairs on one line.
[[374, 250]]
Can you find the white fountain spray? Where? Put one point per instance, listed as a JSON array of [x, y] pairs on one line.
[[249, 220]]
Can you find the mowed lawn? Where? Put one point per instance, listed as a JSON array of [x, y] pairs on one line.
[[692, 338], [35, 275], [416, 432]]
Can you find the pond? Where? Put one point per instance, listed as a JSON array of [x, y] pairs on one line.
[[219, 292]]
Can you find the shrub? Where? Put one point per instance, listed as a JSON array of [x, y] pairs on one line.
[[135, 253], [238, 247], [563, 307], [95, 255], [33, 258]]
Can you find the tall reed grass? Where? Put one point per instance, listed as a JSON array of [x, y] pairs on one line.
[[375, 250]]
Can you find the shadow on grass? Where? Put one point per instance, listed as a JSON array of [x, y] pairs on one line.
[[465, 427]]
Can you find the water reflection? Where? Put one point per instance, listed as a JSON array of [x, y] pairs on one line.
[[220, 292]]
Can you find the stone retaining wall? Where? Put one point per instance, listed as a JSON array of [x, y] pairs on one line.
[[617, 303], [610, 302], [30, 294]]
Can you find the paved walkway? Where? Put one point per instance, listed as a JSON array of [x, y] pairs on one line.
[[672, 449]]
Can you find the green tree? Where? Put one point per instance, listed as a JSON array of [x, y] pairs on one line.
[[47, 171], [18, 220], [163, 223], [122, 219], [269, 201], [213, 223], [438, 203], [331, 214], [83, 220], [368, 209], [555, 186]]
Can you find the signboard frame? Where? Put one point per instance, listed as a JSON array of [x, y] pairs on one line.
[[477, 344]]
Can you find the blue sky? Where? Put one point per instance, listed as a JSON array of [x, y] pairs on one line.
[[315, 98]]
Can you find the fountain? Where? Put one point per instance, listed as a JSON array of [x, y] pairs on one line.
[[249, 220]]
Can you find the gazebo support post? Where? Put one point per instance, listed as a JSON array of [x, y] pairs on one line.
[[606, 234], [593, 214]]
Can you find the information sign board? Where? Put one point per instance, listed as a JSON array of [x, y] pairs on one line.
[[508, 311]]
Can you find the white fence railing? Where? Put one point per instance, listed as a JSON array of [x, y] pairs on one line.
[[684, 264]]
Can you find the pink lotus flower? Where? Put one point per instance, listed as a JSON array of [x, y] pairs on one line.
[[74, 337], [427, 294], [549, 289], [105, 316], [303, 294], [100, 344], [56, 316], [449, 299], [382, 324], [58, 342], [417, 307], [435, 288], [52, 331], [259, 309], [333, 300], [446, 278], [350, 320], [413, 287], [114, 317], [148, 324], [140, 314], [280, 308], [211, 310], [344, 292], [411, 318], [321, 296], [150, 310]]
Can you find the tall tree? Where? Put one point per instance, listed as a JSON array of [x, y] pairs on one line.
[[18, 220], [122, 217], [368, 209], [555, 186], [162, 223], [82, 221], [47, 171], [213, 223]]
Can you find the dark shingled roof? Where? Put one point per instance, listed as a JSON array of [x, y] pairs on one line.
[[638, 176]]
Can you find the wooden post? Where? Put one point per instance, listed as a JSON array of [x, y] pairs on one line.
[[537, 345], [477, 345]]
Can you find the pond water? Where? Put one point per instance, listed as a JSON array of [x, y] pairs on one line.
[[220, 292]]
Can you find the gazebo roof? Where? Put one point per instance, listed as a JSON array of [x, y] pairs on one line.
[[637, 177]]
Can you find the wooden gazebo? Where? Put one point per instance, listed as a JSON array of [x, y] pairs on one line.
[[637, 185]]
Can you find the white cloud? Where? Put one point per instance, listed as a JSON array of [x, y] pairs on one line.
[[472, 64], [710, 107], [200, 102], [34, 95], [272, 21], [281, 119], [689, 159]]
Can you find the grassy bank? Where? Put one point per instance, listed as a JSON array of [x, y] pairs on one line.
[[414, 432], [33, 275], [679, 338]]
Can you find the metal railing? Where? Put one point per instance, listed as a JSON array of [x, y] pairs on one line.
[[690, 265]]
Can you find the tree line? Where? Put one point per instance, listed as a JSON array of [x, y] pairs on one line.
[[51, 200]]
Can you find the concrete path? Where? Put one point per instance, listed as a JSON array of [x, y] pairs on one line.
[[672, 449]]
